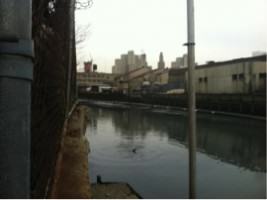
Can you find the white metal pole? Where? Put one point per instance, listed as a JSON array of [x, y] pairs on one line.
[[191, 99]]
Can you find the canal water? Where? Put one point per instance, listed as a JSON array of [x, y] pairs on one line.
[[149, 151]]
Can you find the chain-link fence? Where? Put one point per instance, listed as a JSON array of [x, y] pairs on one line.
[[51, 35]]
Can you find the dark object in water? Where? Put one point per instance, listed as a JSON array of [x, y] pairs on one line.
[[134, 150], [98, 179]]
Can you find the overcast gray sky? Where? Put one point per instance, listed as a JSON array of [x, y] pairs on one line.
[[225, 29]]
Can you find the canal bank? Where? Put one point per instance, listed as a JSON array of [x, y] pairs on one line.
[[71, 179], [173, 110], [244, 104]]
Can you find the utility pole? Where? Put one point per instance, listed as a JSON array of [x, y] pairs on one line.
[[71, 47], [191, 99], [16, 68]]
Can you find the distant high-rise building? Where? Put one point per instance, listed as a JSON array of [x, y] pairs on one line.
[[185, 58], [143, 60], [180, 62], [161, 63], [137, 61], [129, 62], [124, 60]]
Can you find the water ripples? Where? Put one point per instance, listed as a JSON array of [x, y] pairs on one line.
[[131, 155]]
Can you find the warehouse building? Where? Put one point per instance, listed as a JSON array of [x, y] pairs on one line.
[[238, 76]]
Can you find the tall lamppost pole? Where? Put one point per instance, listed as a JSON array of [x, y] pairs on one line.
[[191, 98]]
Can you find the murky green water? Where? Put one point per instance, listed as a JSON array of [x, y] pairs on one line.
[[149, 151]]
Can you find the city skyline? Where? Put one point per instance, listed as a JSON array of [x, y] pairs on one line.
[[223, 32]]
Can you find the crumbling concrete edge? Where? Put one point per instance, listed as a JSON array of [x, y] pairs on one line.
[[52, 190]]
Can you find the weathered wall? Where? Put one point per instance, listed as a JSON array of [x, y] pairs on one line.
[[254, 104], [163, 78], [94, 78], [71, 178], [258, 82], [237, 77], [121, 82]]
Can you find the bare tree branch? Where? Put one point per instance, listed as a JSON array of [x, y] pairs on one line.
[[83, 4], [82, 33]]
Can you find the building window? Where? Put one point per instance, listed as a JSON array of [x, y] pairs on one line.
[[205, 79], [241, 77], [262, 82], [200, 80], [234, 77], [262, 75]]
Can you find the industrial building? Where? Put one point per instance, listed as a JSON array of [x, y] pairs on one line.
[[237, 76], [157, 80], [243, 75], [94, 79], [132, 80]]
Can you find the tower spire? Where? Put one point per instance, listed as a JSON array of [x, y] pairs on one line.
[[161, 63]]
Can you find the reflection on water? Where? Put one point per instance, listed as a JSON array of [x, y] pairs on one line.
[[149, 150]]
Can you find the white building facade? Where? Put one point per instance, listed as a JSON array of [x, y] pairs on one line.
[[239, 76], [129, 62], [180, 62]]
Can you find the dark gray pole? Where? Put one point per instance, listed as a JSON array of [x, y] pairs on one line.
[[16, 52], [191, 99], [71, 47]]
